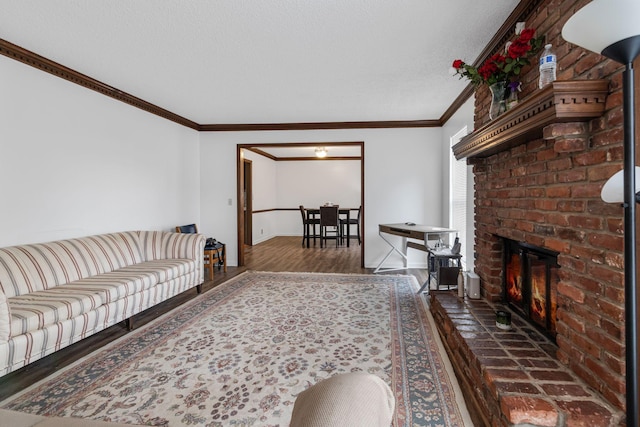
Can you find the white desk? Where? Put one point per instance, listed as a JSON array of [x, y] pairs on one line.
[[425, 233]]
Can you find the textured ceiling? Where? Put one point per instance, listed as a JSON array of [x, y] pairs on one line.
[[266, 61]]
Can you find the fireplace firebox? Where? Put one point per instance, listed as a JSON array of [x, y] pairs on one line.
[[530, 281]]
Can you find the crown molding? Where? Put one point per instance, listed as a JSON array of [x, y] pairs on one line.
[[41, 63], [320, 125], [457, 103]]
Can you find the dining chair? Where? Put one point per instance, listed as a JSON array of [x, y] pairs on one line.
[[329, 222], [307, 222], [352, 221]]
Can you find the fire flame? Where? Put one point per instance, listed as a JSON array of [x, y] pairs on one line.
[[537, 273]]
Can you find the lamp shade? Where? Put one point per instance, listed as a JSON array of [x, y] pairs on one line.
[[603, 24], [613, 189]]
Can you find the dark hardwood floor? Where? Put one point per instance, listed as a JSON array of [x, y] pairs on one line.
[[288, 254], [277, 254]]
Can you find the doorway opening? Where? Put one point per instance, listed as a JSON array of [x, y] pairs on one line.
[[247, 200], [289, 152]]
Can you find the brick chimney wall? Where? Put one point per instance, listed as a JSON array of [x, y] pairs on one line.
[[547, 192]]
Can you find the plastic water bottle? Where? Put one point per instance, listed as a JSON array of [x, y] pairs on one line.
[[547, 67]]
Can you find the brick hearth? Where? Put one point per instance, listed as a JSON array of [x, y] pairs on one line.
[[515, 377]]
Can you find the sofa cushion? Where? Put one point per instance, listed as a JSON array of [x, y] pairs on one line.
[[31, 268], [35, 310], [117, 284], [129, 280], [25, 269], [115, 250], [165, 269]]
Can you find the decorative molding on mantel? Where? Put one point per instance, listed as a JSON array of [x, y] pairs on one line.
[[560, 101]]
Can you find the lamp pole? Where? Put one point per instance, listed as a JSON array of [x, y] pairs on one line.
[[626, 51], [630, 291]]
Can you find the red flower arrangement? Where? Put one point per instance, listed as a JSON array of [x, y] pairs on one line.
[[503, 66]]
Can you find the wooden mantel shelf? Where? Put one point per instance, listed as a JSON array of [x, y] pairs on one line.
[[561, 101]]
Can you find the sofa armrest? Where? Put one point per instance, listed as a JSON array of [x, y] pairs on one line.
[[170, 245], [5, 318], [180, 245]]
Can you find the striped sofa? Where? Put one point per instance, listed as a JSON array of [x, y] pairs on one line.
[[57, 293]]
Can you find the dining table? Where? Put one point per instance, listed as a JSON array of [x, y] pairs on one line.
[[314, 213]]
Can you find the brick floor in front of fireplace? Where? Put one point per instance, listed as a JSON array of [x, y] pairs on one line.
[[513, 378]]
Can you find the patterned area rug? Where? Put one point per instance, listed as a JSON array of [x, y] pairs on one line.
[[239, 354]]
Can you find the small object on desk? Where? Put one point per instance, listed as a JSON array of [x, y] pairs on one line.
[[455, 249], [410, 223]]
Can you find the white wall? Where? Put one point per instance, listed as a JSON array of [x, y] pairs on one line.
[[463, 117], [313, 183], [74, 162], [403, 176]]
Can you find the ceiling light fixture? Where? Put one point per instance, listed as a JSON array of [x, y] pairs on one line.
[[321, 152], [612, 28]]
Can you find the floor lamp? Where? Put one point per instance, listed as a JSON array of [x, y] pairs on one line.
[[612, 28]]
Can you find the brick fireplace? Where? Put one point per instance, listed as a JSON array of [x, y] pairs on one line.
[[546, 192], [538, 172]]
